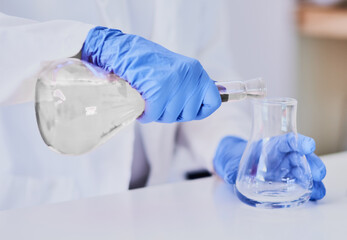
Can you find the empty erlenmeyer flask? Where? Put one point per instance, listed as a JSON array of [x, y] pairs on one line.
[[79, 105], [272, 174]]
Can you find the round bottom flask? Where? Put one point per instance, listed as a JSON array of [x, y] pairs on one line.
[[272, 173], [80, 106]]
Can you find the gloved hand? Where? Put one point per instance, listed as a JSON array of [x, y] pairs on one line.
[[230, 150], [175, 87]]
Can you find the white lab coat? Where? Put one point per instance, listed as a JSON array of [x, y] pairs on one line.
[[30, 173]]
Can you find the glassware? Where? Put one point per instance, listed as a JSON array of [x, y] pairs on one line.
[[240, 90], [271, 173], [80, 106]]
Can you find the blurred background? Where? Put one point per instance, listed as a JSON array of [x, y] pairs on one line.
[[322, 73]]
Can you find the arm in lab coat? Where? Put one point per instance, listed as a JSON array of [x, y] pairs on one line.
[[25, 44]]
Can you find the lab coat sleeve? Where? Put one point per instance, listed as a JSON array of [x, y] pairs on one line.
[[201, 138], [25, 43]]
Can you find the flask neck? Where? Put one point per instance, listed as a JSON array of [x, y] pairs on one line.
[[239, 90], [273, 117]]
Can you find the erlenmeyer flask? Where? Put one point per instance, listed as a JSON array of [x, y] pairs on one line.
[[272, 174], [79, 105]]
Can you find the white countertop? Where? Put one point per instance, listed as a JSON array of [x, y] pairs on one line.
[[200, 209]]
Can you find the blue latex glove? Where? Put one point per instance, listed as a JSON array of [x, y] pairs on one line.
[[176, 88], [230, 150]]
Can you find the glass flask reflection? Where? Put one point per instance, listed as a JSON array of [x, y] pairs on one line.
[[272, 174]]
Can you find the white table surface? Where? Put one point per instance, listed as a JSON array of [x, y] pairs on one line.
[[200, 209]]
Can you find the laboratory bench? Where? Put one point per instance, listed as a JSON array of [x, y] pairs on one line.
[[199, 209]]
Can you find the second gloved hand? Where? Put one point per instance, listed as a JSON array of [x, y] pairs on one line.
[[176, 88], [230, 151]]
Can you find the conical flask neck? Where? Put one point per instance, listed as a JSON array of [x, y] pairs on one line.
[[273, 117]]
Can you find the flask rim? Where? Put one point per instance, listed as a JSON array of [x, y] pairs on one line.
[[276, 101]]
